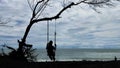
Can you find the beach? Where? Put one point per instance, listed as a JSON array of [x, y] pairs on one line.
[[61, 64], [86, 58]]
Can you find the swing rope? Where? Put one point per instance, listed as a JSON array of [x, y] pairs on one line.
[[55, 33], [47, 31]]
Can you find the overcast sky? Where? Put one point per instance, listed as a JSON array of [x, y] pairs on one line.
[[79, 27]]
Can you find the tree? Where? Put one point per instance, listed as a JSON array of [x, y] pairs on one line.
[[38, 7]]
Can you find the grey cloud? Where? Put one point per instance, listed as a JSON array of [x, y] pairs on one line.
[[77, 28]]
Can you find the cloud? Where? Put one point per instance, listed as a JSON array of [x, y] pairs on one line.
[[79, 27]]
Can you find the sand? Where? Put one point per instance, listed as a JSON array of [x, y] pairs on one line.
[[59, 64]]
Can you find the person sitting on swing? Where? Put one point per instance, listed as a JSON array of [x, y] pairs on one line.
[[51, 50]]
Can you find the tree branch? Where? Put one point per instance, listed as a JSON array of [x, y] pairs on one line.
[[58, 15], [97, 2], [30, 5], [34, 13], [93, 2], [41, 9]]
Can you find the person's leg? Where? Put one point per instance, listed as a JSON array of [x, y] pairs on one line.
[[50, 57], [53, 58]]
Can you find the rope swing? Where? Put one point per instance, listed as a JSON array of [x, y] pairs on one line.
[[55, 33], [50, 48]]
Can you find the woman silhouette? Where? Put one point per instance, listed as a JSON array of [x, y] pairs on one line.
[[51, 50]]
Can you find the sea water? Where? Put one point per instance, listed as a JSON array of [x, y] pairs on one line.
[[80, 54]]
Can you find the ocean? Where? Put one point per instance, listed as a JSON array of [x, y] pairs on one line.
[[80, 54]]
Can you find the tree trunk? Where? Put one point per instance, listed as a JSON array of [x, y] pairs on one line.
[[26, 32], [23, 40]]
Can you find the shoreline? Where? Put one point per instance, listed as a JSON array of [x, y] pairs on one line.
[[90, 59]]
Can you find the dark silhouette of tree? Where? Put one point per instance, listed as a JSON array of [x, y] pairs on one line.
[[38, 7], [29, 53]]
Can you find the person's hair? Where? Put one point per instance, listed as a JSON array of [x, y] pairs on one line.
[[51, 41]]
